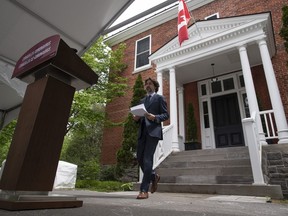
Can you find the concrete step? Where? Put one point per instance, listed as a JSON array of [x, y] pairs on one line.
[[224, 171], [208, 179], [209, 154], [217, 171], [273, 191], [232, 151], [205, 163]]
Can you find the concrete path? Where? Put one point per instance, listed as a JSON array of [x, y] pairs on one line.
[[160, 204]]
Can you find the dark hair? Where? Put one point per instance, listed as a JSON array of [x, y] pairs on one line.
[[155, 83]]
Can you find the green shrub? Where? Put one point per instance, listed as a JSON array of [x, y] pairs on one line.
[[101, 186]]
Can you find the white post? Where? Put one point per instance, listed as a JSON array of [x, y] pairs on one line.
[[255, 149], [274, 93], [250, 91], [160, 80], [173, 109]]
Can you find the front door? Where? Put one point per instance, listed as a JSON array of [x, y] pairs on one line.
[[227, 121]]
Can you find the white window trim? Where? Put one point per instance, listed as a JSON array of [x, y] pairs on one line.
[[135, 55], [217, 15]]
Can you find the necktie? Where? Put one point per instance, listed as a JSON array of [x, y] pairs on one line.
[[147, 101]]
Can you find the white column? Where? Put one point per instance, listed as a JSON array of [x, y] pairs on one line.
[[274, 93], [181, 111], [160, 81], [173, 110], [250, 91]]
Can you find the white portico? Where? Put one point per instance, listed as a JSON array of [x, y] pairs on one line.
[[234, 45]]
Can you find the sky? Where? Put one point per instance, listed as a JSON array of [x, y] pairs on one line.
[[138, 6]]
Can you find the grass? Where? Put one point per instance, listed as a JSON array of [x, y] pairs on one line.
[[103, 186]]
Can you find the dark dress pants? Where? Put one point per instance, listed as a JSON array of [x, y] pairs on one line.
[[145, 154]]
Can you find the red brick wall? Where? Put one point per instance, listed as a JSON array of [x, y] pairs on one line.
[[118, 109]]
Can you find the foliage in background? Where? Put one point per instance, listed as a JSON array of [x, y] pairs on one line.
[[108, 65], [5, 139], [103, 186], [85, 128], [284, 29], [126, 154]]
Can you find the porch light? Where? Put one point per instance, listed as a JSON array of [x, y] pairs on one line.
[[214, 78]]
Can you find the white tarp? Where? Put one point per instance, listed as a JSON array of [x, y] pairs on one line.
[[65, 176]]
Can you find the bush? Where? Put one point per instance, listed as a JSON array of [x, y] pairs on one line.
[[109, 173]]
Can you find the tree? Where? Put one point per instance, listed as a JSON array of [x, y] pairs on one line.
[[85, 128], [126, 154], [108, 65], [87, 118], [5, 139]]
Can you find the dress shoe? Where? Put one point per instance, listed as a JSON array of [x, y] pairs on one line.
[[142, 195], [155, 183]]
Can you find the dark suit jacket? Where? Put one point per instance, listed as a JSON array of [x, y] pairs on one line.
[[158, 107]]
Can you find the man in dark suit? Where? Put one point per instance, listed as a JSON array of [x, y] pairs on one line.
[[150, 132]]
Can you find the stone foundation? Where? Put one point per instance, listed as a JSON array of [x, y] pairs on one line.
[[275, 166]]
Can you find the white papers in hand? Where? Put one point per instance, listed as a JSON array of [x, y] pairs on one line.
[[138, 110]]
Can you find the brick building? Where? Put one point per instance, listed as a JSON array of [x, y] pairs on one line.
[[232, 69]]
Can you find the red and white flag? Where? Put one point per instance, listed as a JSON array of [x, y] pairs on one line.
[[183, 19]]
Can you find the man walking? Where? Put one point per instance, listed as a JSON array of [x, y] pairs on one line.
[[150, 132]]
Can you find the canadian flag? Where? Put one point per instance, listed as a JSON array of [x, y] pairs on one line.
[[183, 19]]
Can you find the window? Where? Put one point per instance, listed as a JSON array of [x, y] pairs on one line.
[[142, 52], [216, 87], [241, 80], [213, 16], [203, 89], [228, 84], [206, 114]]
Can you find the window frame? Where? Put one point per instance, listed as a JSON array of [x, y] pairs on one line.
[[212, 15], [143, 67]]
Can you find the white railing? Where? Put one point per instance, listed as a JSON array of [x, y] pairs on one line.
[[255, 148], [164, 147], [268, 122]]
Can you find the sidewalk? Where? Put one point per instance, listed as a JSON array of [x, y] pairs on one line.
[[160, 204]]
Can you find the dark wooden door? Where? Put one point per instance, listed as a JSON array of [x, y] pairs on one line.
[[227, 121]]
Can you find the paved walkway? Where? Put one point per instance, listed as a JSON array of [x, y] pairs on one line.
[[160, 204]]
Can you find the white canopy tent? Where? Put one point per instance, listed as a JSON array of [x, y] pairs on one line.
[[23, 23]]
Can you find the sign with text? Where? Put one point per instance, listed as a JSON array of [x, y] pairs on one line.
[[39, 53]]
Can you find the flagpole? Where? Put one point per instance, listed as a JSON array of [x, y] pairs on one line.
[[195, 22]]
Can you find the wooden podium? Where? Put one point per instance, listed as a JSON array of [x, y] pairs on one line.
[[54, 71]]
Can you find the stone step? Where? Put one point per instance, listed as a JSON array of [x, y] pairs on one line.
[[217, 171], [203, 155], [208, 179], [205, 163], [233, 151], [273, 191]]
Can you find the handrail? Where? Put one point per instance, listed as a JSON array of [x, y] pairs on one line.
[[254, 147], [164, 147], [269, 126]]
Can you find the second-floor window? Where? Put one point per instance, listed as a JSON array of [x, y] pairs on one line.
[[143, 50], [213, 16]]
